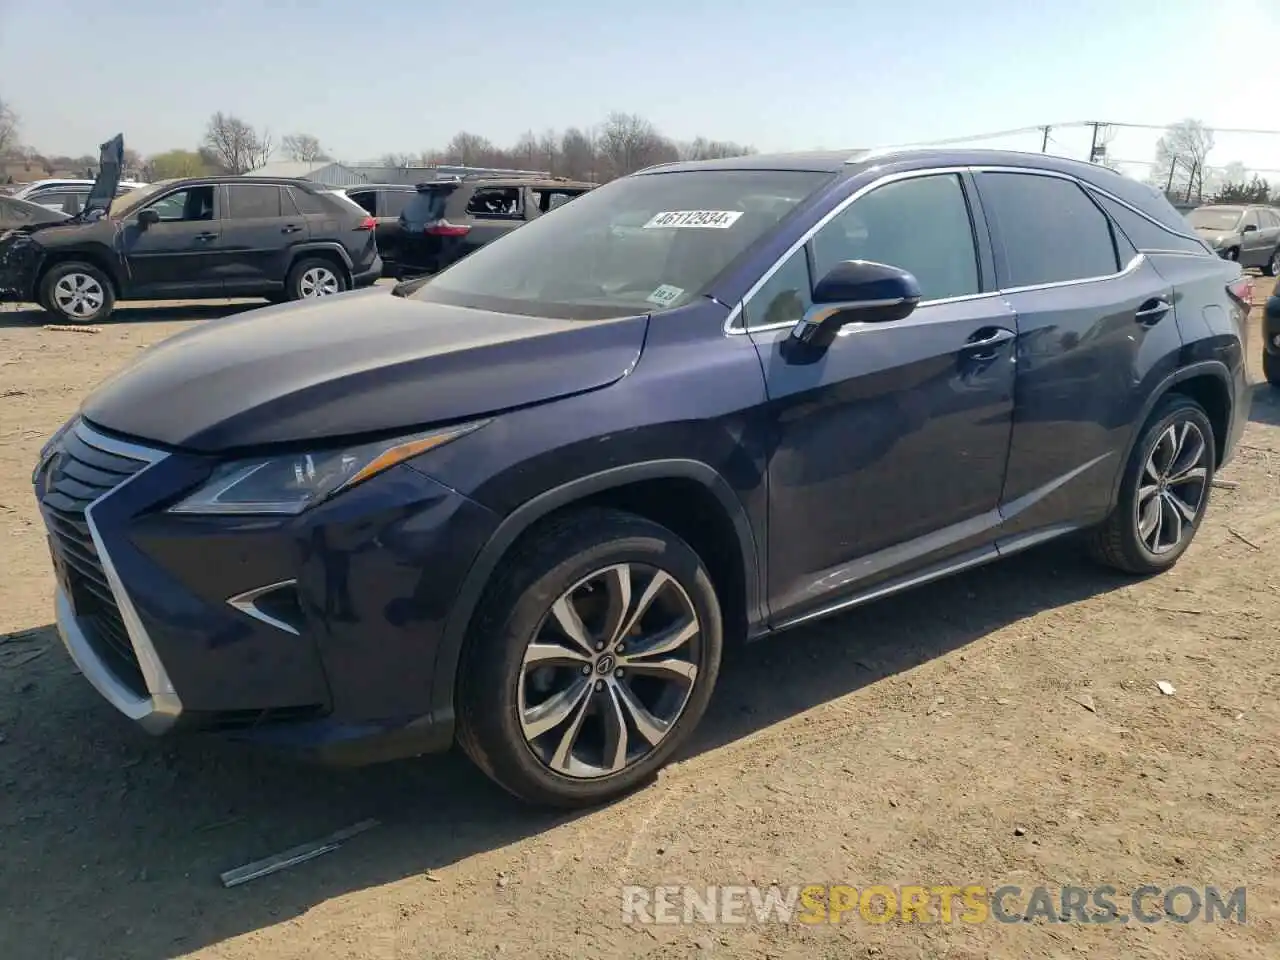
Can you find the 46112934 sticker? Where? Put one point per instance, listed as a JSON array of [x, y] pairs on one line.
[[703, 219]]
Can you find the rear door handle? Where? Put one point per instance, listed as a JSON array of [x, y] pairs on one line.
[[983, 343], [290, 228], [206, 236], [1152, 311]]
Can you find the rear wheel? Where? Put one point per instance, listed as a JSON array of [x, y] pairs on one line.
[[77, 293], [313, 278], [1164, 493], [593, 659], [1233, 253]]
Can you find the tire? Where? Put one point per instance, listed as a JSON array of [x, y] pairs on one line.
[[575, 556], [314, 277], [1272, 267], [1271, 367], [1233, 254], [77, 292], [1120, 541]]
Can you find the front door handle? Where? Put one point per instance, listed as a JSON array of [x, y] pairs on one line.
[[1153, 311], [290, 228], [206, 236], [983, 343]]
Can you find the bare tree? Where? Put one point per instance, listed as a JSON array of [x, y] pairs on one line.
[[525, 154], [398, 161], [470, 150], [629, 142], [549, 152], [303, 147], [1180, 158], [237, 147], [8, 128], [700, 148], [577, 155]]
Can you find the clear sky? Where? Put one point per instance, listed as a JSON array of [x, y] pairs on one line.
[[370, 78]]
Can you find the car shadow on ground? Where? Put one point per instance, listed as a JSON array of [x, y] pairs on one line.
[[1265, 405], [27, 315], [135, 831]]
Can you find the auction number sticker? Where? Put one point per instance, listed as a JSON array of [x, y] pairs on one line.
[[665, 294], [705, 219]]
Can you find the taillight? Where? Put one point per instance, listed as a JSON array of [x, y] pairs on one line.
[[368, 223], [443, 228], [1241, 289]]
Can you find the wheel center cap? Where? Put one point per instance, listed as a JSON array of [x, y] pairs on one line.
[[606, 664]]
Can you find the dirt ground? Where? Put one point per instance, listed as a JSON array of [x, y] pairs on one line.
[[938, 737]]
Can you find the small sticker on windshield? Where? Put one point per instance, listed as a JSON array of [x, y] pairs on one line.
[[706, 219], [665, 294]]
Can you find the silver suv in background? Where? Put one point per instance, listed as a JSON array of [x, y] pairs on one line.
[[1249, 233], [66, 196]]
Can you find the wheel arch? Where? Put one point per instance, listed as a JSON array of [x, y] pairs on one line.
[[325, 251], [707, 514], [1208, 382], [102, 258]]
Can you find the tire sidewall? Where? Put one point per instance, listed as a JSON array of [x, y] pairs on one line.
[[494, 667], [56, 273], [1172, 411], [294, 285]]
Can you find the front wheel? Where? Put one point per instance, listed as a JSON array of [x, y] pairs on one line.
[[1164, 492], [593, 659], [313, 278], [77, 293], [1272, 268]]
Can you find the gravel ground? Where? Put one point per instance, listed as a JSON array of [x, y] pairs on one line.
[[1002, 727]]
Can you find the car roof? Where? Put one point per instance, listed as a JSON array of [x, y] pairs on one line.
[[406, 187], [272, 181]]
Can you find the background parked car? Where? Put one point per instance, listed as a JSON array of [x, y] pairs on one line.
[[193, 239], [385, 202], [447, 219], [1249, 233], [20, 213], [67, 196]]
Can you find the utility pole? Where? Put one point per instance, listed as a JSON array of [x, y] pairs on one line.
[[1044, 144], [1173, 167], [1195, 168], [1093, 146]]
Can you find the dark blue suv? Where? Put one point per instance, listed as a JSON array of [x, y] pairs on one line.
[[524, 504]]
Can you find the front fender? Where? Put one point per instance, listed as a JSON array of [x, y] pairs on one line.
[[444, 675]]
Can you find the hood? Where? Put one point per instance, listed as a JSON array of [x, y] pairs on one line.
[[357, 363], [103, 191]]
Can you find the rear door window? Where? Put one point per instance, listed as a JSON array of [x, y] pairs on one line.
[[394, 202], [1051, 232], [548, 200], [253, 201], [368, 200], [306, 202]]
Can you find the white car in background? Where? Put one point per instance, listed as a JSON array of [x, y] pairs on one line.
[[65, 196]]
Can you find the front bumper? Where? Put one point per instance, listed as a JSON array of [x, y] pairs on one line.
[[315, 633]]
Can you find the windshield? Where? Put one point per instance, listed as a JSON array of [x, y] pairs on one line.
[[126, 203], [1207, 218], [635, 245]]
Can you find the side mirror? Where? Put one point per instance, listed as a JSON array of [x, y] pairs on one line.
[[860, 291], [148, 218], [1250, 228]]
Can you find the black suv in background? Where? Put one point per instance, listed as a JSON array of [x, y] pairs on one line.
[[449, 218], [200, 238]]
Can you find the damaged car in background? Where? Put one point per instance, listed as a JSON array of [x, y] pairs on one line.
[[198, 238]]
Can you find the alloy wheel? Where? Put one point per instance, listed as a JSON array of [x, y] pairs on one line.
[[318, 282], [609, 671], [1275, 264], [1173, 486], [78, 295]]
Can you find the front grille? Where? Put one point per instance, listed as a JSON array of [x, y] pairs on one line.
[[77, 474]]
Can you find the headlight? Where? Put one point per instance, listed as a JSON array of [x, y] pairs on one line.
[[289, 483]]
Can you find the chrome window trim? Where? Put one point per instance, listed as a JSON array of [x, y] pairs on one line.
[[247, 604], [736, 314], [162, 707]]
